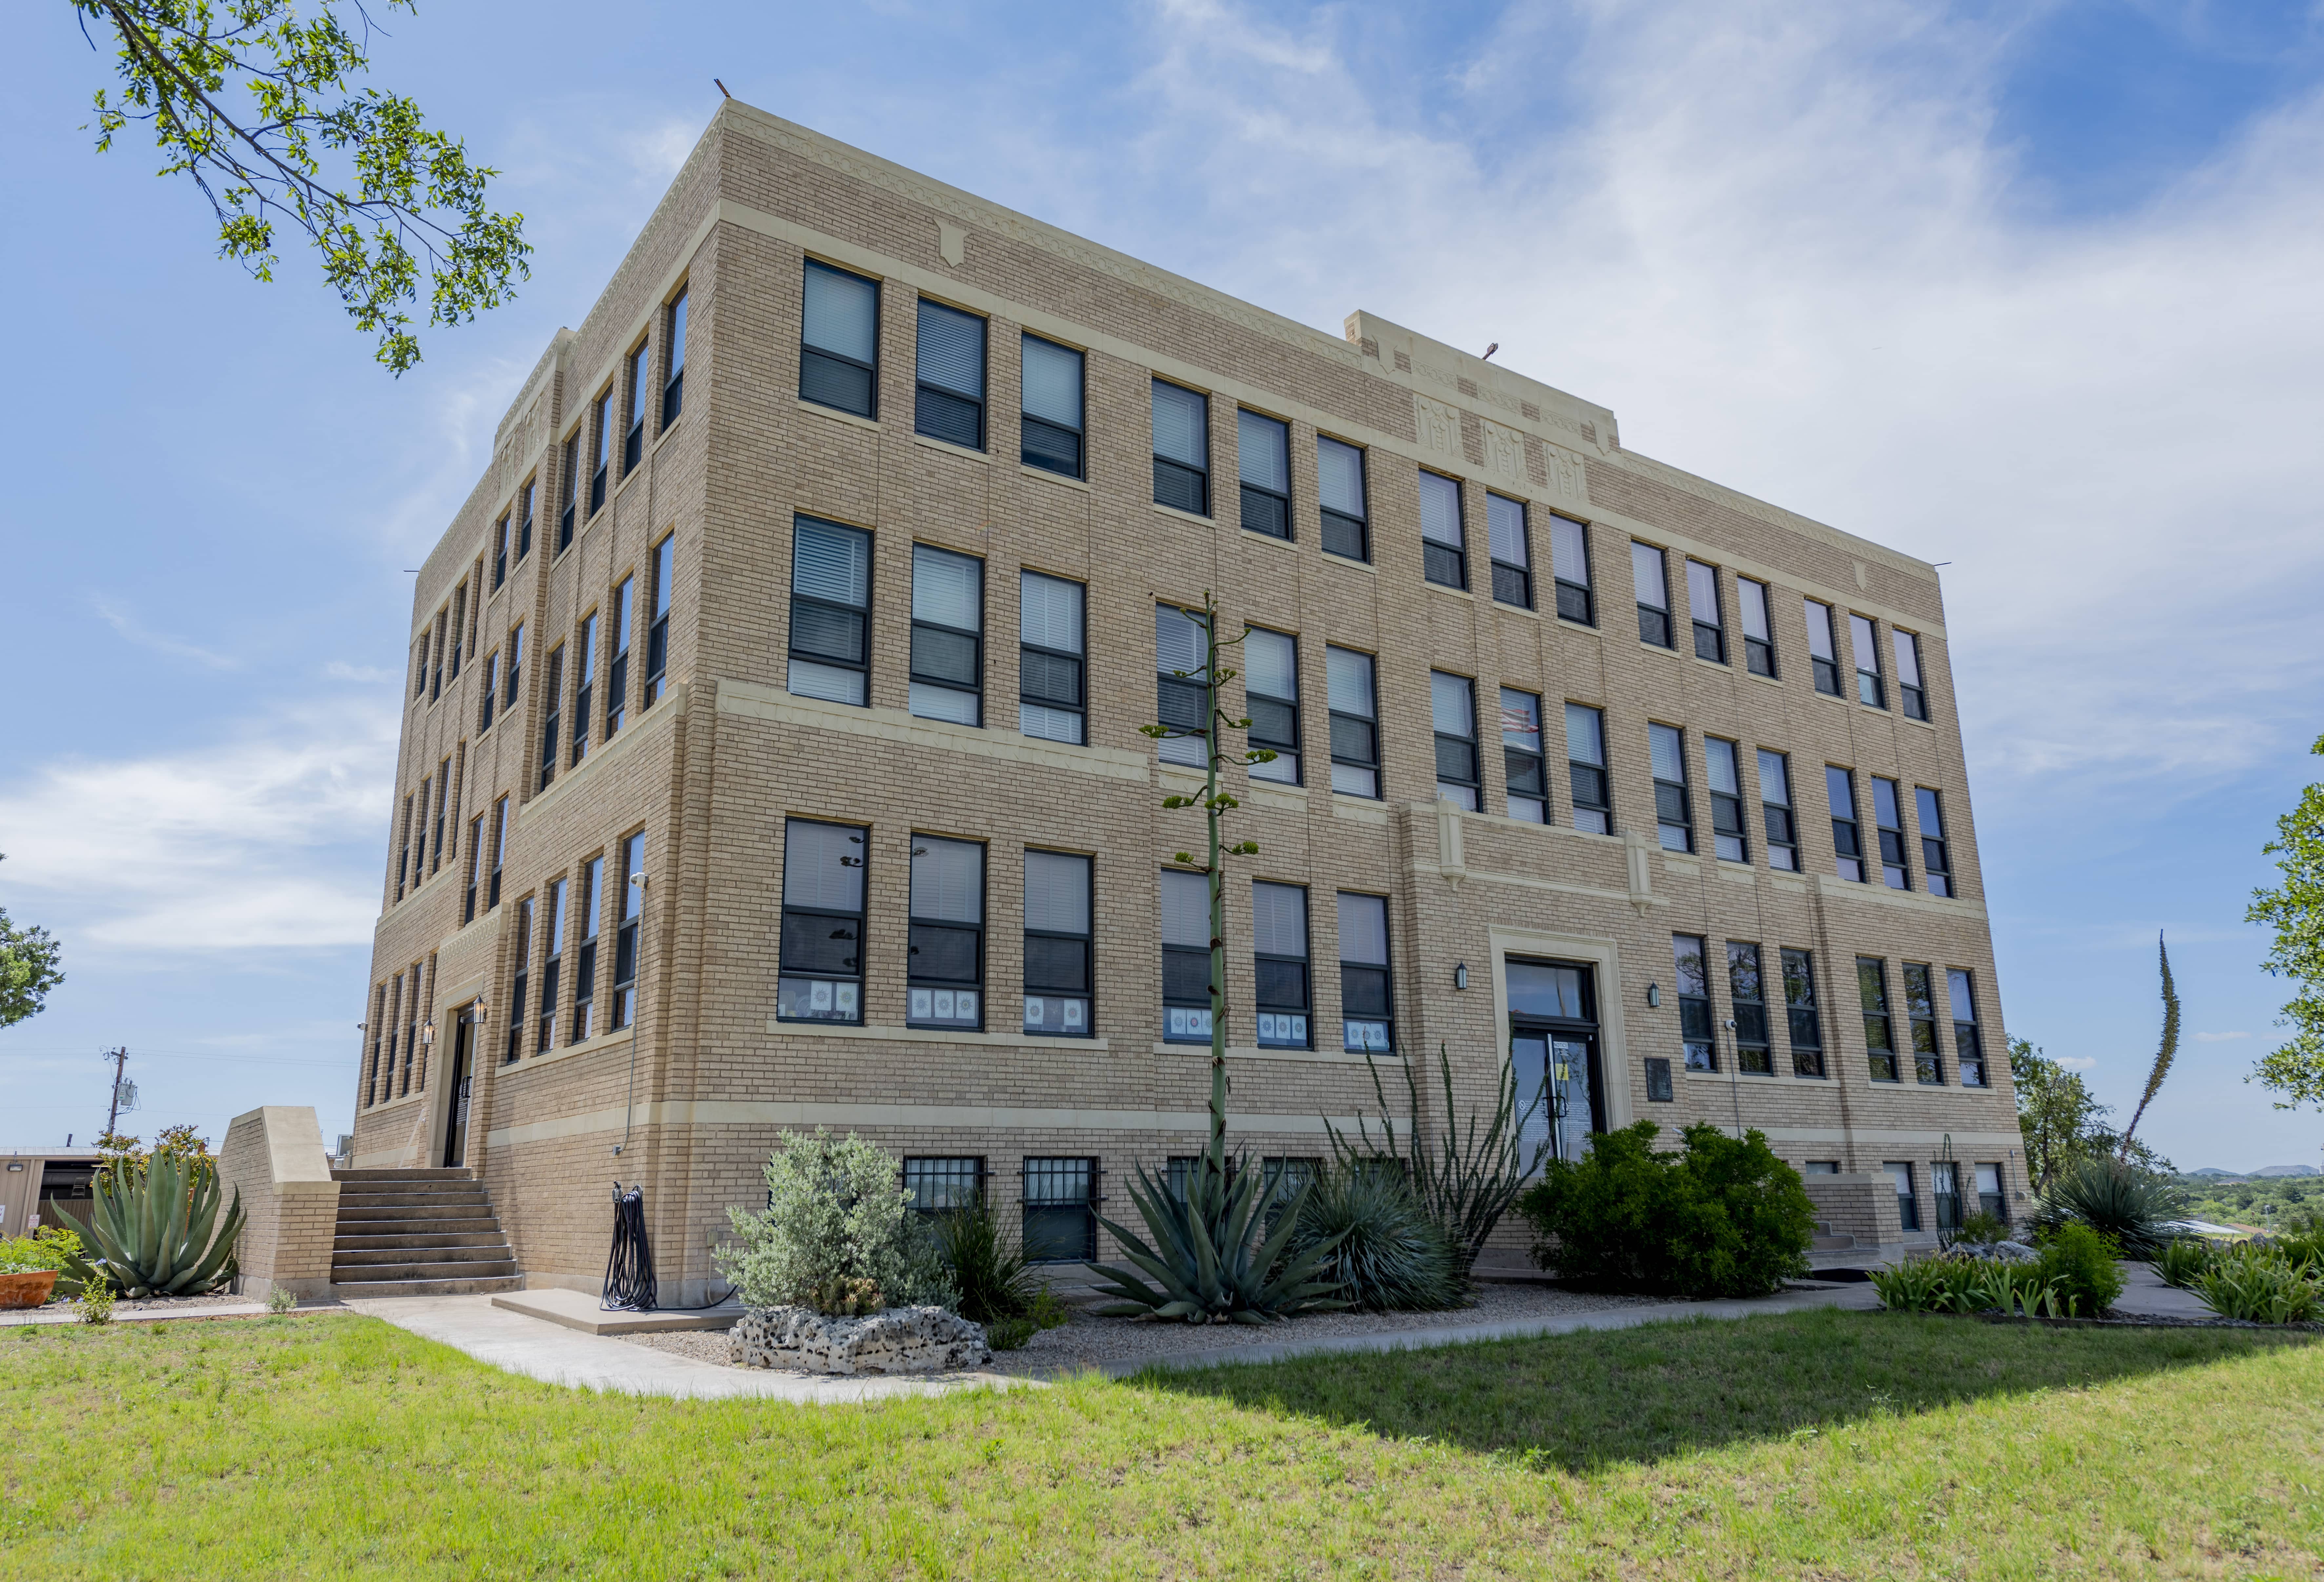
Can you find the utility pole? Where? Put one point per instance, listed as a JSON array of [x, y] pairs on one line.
[[120, 1059]]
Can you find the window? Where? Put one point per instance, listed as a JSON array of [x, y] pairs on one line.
[[475, 870], [436, 670], [1355, 723], [570, 481], [1279, 932], [515, 667], [1060, 1198], [420, 848], [1585, 768], [946, 977], [1747, 991], [1823, 658], [1443, 542], [1366, 1014], [1185, 957], [1920, 1014], [1759, 635], [601, 453], [1057, 975], [1182, 449], [1673, 808], [1803, 1026], [500, 851], [406, 871], [1650, 575], [1263, 457], [584, 965], [520, 982], [839, 341], [634, 443], [936, 1185], [1908, 674], [1870, 690], [1944, 1190], [1183, 699], [1847, 843], [1820, 1167], [1511, 542], [524, 522], [1908, 1205], [949, 403], [1879, 1028], [585, 683], [459, 623], [1703, 609], [1452, 708], [488, 692], [1528, 782], [1968, 1050], [1270, 662], [1569, 560], [673, 386], [1340, 479], [386, 1073], [551, 969], [617, 678], [822, 970], [550, 719], [1888, 822], [831, 603], [1693, 1002], [1727, 836], [1053, 436], [947, 636], [629, 907], [1936, 863], [1049, 692], [1990, 1196], [1775, 811], [443, 797], [500, 551], [657, 627]]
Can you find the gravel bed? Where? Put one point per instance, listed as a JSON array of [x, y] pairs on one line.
[[701, 1345]]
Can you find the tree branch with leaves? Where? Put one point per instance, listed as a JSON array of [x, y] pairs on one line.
[[404, 199], [29, 969], [2295, 910]]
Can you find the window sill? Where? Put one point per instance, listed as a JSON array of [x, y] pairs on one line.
[[949, 448], [1774, 681], [1331, 558], [836, 416], [1660, 649], [1359, 809], [1251, 1052], [782, 1029], [1743, 1076], [1507, 608], [1721, 665], [668, 429], [1591, 627], [1047, 476], [1185, 516], [1929, 725], [1252, 536], [1446, 588]]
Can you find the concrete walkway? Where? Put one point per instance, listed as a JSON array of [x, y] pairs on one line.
[[66, 1312], [2144, 1296]]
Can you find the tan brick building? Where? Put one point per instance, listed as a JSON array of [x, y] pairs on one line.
[[820, 581]]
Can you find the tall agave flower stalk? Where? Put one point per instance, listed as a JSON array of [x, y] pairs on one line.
[[150, 1233]]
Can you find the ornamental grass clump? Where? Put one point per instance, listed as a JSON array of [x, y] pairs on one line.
[[1387, 1251], [996, 1281], [1947, 1284], [2183, 1260], [839, 1226], [2262, 1284]]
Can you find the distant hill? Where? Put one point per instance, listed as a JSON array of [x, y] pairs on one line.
[[2288, 1170], [2208, 1169]]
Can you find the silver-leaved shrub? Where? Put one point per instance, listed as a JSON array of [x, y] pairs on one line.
[[835, 1213]]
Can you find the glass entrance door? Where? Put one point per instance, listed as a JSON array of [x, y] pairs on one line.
[[456, 1125], [1553, 1052]]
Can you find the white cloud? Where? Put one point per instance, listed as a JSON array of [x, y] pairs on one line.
[[340, 670], [258, 842], [129, 627], [2219, 1037], [2078, 1063]]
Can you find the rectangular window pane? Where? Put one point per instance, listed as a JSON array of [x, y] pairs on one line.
[[946, 952], [1355, 736], [1280, 953], [936, 1185], [1804, 1026], [1443, 543], [1673, 807], [1703, 612], [1823, 658], [1936, 858], [1775, 811], [823, 922], [1271, 681], [1969, 1049], [1511, 541], [1263, 451], [1340, 474], [1569, 549], [1049, 625], [1185, 957], [951, 350], [1747, 992], [1585, 753], [842, 313], [1908, 1205], [1846, 842], [947, 636], [1693, 1002], [1889, 820], [1057, 977], [1452, 705], [1920, 1014], [1522, 756], [1053, 383], [1868, 689], [1727, 838], [1758, 635], [1650, 577], [1178, 650], [1060, 1213], [1879, 1030], [1908, 674], [1181, 449], [1366, 1018], [831, 573]]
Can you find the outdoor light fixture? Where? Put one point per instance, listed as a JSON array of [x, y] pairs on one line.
[[1655, 995], [1460, 976], [428, 1033]]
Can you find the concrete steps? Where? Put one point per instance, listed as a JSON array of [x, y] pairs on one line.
[[418, 1233]]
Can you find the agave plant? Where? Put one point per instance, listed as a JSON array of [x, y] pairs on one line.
[[1392, 1255], [150, 1233], [2117, 1201]]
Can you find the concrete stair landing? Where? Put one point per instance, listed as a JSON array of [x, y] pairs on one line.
[[418, 1233]]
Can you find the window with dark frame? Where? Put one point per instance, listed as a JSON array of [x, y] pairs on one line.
[[1367, 1003], [488, 692], [831, 611], [515, 672], [1921, 1017], [948, 400], [1846, 838], [404, 872], [584, 683], [419, 840], [1823, 656], [1804, 1028], [1279, 963], [1703, 611], [1747, 992], [1969, 1049], [1673, 805], [1880, 1026], [1694, 1002], [1058, 975], [1182, 448], [436, 667], [634, 440], [1775, 811], [1945, 1192], [584, 957], [1444, 539], [1908, 674], [1936, 862], [938, 1185], [552, 701], [1908, 1203], [601, 450], [1271, 700], [821, 974], [1183, 704], [1263, 465], [1340, 487], [944, 978], [377, 1025], [1185, 957], [1509, 538], [459, 627], [1453, 712], [947, 681], [1053, 437], [500, 551], [500, 851], [552, 969], [1888, 823], [658, 627], [1870, 690], [673, 384], [617, 674], [1724, 765], [524, 522], [475, 870], [1758, 632], [1052, 701], [1585, 768], [443, 800], [1352, 699], [1524, 772], [395, 1024], [629, 907], [1650, 578], [569, 486], [1569, 562], [1991, 1197], [1060, 1210], [839, 340]]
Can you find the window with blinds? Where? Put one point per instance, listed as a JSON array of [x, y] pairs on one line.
[[1263, 459], [1569, 564], [1871, 691], [949, 401], [1758, 635], [1523, 774], [1703, 612], [1585, 769], [1183, 702], [1511, 541], [1182, 448], [1355, 723], [831, 611], [1443, 542], [944, 977], [1050, 691], [1650, 579], [1453, 713], [1340, 479], [1775, 811], [1053, 436], [1367, 1015], [1271, 700], [1674, 806], [1185, 957], [821, 968], [1058, 980], [947, 636], [1722, 761], [1823, 658], [839, 340], [1279, 957]]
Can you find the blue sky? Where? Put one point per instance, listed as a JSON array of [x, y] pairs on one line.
[[2028, 289]]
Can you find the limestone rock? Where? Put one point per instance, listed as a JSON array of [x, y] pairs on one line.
[[900, 1340]]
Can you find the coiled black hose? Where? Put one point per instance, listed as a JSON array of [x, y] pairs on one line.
[[629, 1267]]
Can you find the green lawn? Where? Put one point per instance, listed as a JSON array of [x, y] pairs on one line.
[[1822, 1444]]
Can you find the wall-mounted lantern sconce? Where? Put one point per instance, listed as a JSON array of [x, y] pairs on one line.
[[1655, 995], [1460, 976], [428, 1033]]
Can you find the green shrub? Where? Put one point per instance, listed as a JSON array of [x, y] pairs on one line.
[[2261, 1287], [2124, 1204], [1981, 1229], [836, 1216], [1949, 1284], [2183, 1260], [2082, 1264], [1916, 1285], [1389, 1253], [987, 1264], [96, 1303], [53, 1247], [281, 1299], [1723, 1218], [1009, 1334], [1048, 1310]]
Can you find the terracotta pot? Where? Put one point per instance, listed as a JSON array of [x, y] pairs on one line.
[[27, 1290]]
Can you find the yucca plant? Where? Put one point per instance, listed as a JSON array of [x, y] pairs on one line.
[[1391, 1256], [2119, 1201], [150, 1233]]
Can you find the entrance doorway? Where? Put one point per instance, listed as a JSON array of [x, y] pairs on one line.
[[456, 1123], [1553, 1051]]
